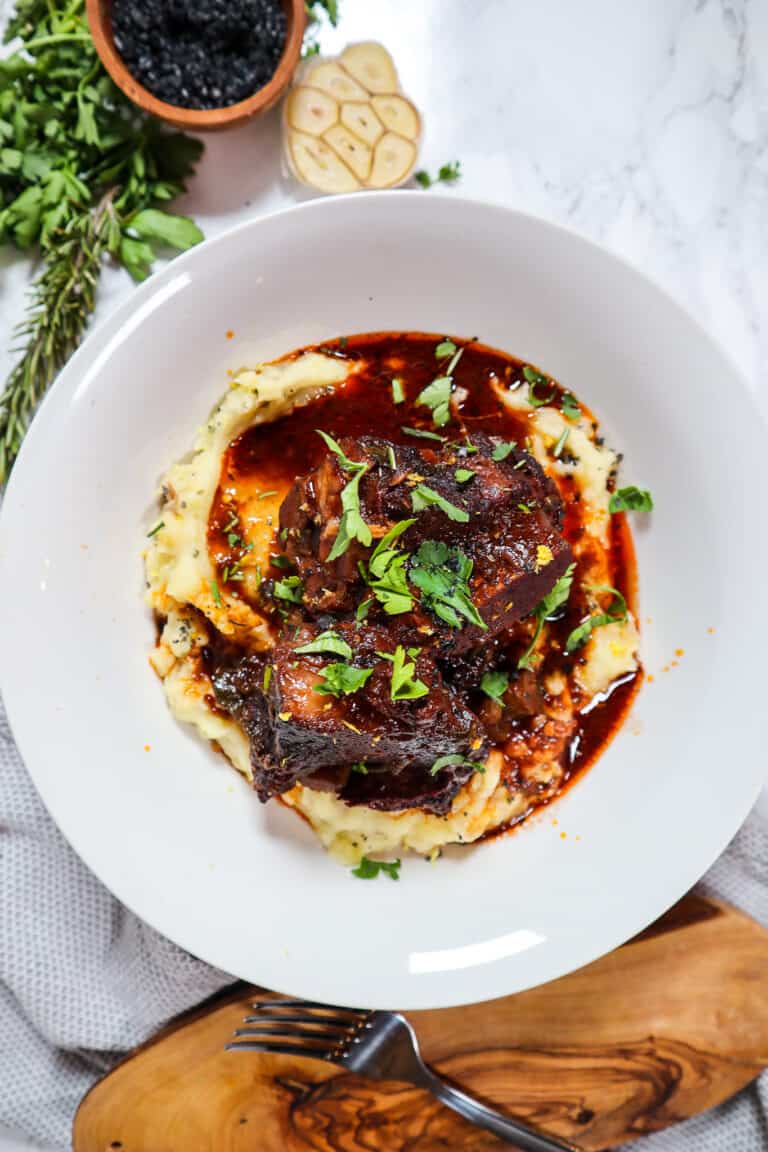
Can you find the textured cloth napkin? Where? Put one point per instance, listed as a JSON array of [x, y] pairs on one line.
[[82, 980]]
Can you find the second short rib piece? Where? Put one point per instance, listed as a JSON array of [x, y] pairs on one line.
[[300, 734]]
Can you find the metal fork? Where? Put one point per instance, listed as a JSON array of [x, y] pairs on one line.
[[379, 1045]]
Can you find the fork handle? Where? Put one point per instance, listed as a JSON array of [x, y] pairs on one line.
[[524, 1138]]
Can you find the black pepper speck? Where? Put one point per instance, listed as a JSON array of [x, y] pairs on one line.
[[200, 53]]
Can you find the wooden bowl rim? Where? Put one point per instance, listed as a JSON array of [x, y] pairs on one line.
[[99, 21]]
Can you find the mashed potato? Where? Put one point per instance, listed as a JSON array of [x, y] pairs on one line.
[[184, 594]]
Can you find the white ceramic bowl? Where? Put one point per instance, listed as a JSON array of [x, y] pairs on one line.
[[173, 832]]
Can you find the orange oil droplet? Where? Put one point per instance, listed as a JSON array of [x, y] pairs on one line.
[[229, 333]]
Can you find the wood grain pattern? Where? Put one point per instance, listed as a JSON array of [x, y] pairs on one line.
[[663, 1028]]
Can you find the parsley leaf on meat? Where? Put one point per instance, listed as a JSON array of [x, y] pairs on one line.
[[501, 451], [442, 576], [405, 685], [554, 599], [351, 526], [291, 589], [342, 680], [422, 497], [422, 434], [326, 642], [386, 572], [495, 684]]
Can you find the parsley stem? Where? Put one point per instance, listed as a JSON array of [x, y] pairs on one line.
[[57, 38]]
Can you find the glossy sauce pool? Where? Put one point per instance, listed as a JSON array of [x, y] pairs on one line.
[[261, 465]]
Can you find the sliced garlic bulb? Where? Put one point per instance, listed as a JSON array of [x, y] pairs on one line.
[[311, 110], [347, 125], [397, 114], [351, 150], [363, 121], [317, 164], [371, 65], [393, 160], [333, 79]]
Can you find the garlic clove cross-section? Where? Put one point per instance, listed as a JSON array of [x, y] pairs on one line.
[[347, 125]]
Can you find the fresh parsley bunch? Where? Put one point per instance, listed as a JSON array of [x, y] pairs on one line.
[[82, 173]]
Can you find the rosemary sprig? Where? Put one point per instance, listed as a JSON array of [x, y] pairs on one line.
[[63, 298], [81, 173]]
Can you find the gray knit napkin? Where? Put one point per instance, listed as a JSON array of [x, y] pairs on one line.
[[82, 980]]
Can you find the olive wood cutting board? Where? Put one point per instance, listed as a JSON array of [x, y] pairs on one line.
[[665, 1027]]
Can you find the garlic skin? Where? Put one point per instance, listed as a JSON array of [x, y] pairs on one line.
[[347, 125]]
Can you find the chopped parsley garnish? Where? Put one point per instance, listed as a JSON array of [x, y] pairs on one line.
[[386, 572], [362, 768], [342, 680], [462, 475], [232, 572], [525, 508], [453, 760], [370, 869], [446, 174], [495, 684], [465, 446], [391, 457], [278, 560], [267, 678], [569, 406], [352, 526], [232, 523], [363, 608], [501, 451], [215, 593], [631, 499], [437, 396], [422, 434], [233, 540], [342, 342], [155, 530], [405, 685], [423, 497], [442, 576], [398, 392], [290, 589], [265, 495], [554, 599], [561, 443], [536, 380], [616, 614], [326, 642]]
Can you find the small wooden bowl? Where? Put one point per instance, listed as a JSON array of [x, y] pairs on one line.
[[193, 119]]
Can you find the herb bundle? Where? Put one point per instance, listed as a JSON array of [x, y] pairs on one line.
[[82, 173]]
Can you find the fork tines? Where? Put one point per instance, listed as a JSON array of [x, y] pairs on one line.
[[299, 1028]]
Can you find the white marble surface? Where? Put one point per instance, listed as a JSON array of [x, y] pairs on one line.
[[640, 123]]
